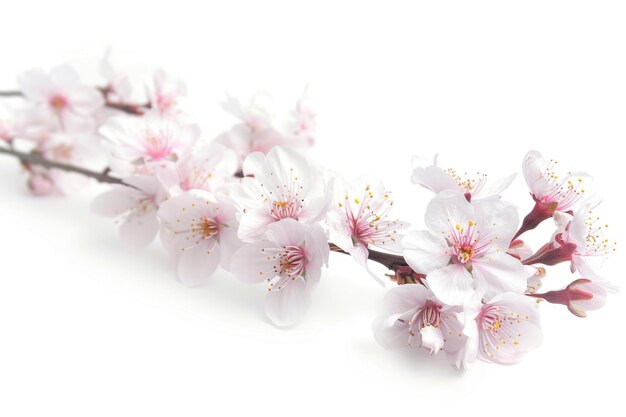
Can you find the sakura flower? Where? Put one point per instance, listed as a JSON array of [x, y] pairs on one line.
[[61, 92], [580, 241], [465, 248], [119, 88], [201, 230], [502, 330], [135, 205], [551, 192], [361, 218], [290, 261], [415, 317], [305, 122], [581, 295], [140, 140], [436, 179], [285, 186], [255, 131], [78, 149], [210, 168], [166, 93]]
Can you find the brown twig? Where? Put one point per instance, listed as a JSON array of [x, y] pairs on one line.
[[36, 158]]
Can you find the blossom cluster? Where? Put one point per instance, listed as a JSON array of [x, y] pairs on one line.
[[249, 201]]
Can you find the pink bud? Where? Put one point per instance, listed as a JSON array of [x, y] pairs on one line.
[[40, 184], [580, 296]]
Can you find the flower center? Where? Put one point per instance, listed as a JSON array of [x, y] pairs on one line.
[[158, 145], [58, 102], [284, 201], [465, 242], [428, 315], [290, 264], [209, 227], [369, 224]]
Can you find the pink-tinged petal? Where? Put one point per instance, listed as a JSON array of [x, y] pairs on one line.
[[434, 178], [406, 297], [287, 306], [139, 230], [451, 284], [253, 164], [198, 263], [253, 264], [64, 76], [339, 232], [360, 254], [287, 232], [229, 245], [495, 188], [425, 251], [446, 210], [318, 241], [281, 165], [253, 224], [35, 85], [532, 168], [390, 333], [86, 100], [115, 202], [180, 213], [498, 272], [432, 339]]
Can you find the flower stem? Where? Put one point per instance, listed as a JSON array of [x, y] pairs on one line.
[[36, 158], [136, 109]]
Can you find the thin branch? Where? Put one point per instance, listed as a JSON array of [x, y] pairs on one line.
[[39, 160], [136, 109], [10, 94]]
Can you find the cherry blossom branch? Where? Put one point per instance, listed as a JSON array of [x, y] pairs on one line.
[[36, 158], [396, 263], [136, 109]]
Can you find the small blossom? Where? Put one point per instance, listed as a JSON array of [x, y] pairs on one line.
[[360, 219], [135, 205], [61, 92], [200, 228], [551, 192], [140, 140], [436, 179], [166, 93], [465, 248], [416, 318], [285, 186], [502, 330], [209, 168], [580, 241], [290, 262]]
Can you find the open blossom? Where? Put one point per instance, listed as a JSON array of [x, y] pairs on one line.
[[285, 186], [502, 330], [139, 140], [256, 130], [119, 88], [290, 261], [360, 219], [135, 205], [166, 93], [579, 240], [200, 228], [434, 178], [210, 168], [61, 92], [415, 317], [551, 192], [465, 248], [305, 120], [77, 149]]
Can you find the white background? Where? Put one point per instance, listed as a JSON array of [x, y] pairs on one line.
[[87, 329]]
